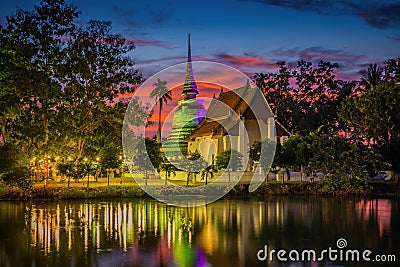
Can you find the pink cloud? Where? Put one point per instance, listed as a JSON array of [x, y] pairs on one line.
[[246, 61], [179, 59]]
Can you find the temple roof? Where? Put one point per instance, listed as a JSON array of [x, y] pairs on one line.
[[237, 100]]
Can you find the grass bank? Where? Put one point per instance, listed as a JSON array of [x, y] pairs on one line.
[[239, 191]]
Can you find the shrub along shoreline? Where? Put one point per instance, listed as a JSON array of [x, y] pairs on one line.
[[239, 191]]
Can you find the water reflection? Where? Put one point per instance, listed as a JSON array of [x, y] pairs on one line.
[[378, 210], [225, 233]]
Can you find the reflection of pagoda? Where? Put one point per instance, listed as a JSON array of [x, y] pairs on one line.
[[187, 116]]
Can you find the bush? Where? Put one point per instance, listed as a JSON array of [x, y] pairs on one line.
[[11, 156], [339, 184], [19, 177]]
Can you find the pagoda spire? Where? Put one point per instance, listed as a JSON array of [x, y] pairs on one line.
[[190, 86]]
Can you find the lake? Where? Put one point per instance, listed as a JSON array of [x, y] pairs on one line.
[[144, 232]]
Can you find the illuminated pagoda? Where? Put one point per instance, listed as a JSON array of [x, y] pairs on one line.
[[187, 116]]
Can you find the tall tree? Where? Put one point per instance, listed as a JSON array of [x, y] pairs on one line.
[[39, 33], [164, 95], [208, 172], [96, 70], [374, 118], [59, 81]]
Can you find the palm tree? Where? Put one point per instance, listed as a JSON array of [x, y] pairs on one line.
[[164, 95], [208, 172], [168, 167], [372, 76]]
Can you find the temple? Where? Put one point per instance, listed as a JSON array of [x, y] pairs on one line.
[[187, 116], [194, 129], [245, 104]]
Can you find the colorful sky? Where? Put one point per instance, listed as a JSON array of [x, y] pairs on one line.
[[250, 35]]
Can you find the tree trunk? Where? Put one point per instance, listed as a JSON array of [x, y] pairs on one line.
[[301, 173], [81, 145], [108, 178], [159, 123], [3, 131], [187, 179], [287, 173]]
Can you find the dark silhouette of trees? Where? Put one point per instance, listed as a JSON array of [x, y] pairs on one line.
[[373, 116], [305, 97], [372, 76]]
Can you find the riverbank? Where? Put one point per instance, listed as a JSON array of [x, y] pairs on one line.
[[241, 190]]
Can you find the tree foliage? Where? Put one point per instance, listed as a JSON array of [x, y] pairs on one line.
[[61, 81], [196, 164], [295, 153], [334, 154], [13, 167], [304, 97], [373, 115], [230, 159], [268, 157], [18, 176], [96, 71], [34, 38], [110, 157]]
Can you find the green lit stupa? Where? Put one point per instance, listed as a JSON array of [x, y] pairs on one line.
[[187, 116]]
